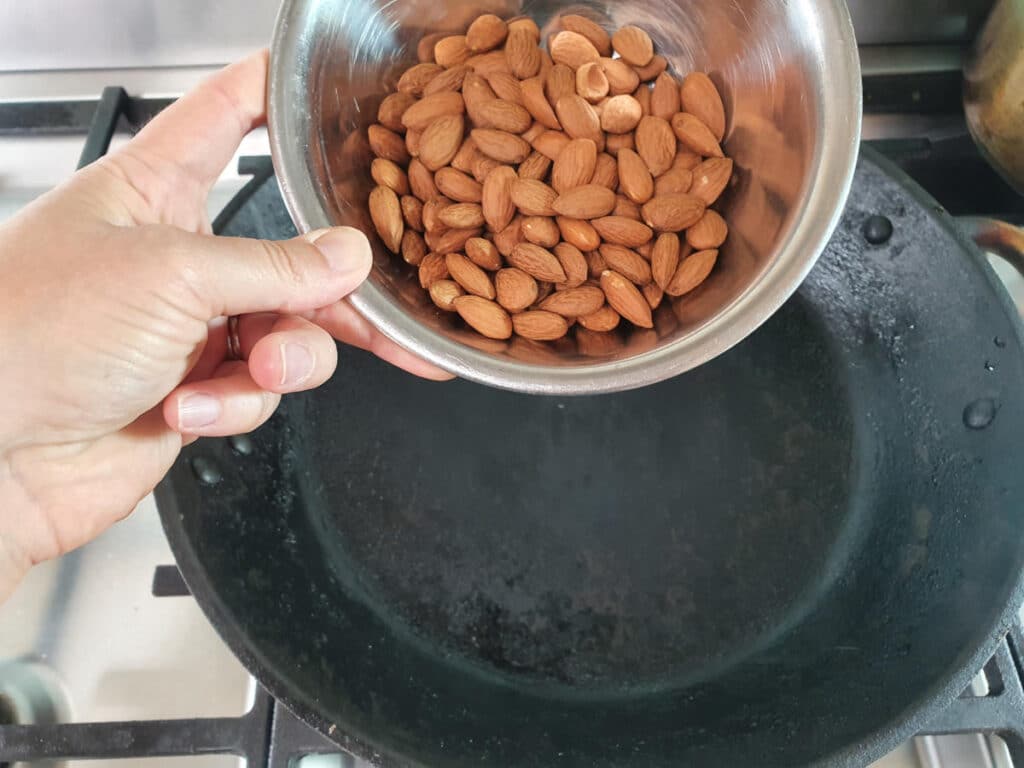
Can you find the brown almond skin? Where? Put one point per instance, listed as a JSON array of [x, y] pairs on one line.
[[484, 254], [387, 144], [651, 71], [627, 263], [560, 81], [673, 180], [673, 212], [533, 198], [574, 264], [458, 186], [665, 258], [596, 264], [574, 165], [413, 138], [487, 64], [692, 272], [536, 167], [503, 116], [425, 47], [619, 230], [695, 136], [709, 233], [466, 156], [575, 302], [486, 33], [386, 213], [432, 268], [616, 142], [539, 325], [603, 320], [441, 140], [538, 262], [524, 58], [496, 198], [467, 274], [421, 181], [700, 97], [590, 201], [643, 97], [388, 174], [500, 145], [579, 120], [413, 248], [506, 86], [484, 316], [626, 299], [412, 212], [449, 80], [591, 82], [710, 179], [476, 91], [542, 231], [635, 179], [600, 39], [508, 238], [606, 173], [537, 104], [633, 45], [432, 213], [656, 144], [551, 143], [578, 233], [415, 79], [665, 97], [627, 208], [654, 295], [444, 293], [454, 240], [391, 109], [572, 49], [622, 78], [516, 290], [621, 114], [451, 51], [462, 216]]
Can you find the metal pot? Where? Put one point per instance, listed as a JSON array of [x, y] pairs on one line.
[[790, 77]]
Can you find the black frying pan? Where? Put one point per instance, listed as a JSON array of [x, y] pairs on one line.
[[793, 555]]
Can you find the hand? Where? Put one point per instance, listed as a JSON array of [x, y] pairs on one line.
[[112, 329]]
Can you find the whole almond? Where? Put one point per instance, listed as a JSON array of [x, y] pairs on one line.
[[536, 166], [574, 264], [700, 97], [627, 208], [589, 201], [606, 173], [591, 82], [508, 238], [441, 140], [430, 108], [444, 293], [643, 98], [388, 174], [412, 212], [627, 263], [451, 51], [482, 166], [487, 64], [665, 258], [579, 120], [484, 316], [646, 249], [386, 213], [665, 97], [673, 180], [432, 268], [578, 233], [483, 253], [710, 179], [432, 213], [413, 137], [695, 136], [574, 165], [537, 261], [391, 109], [413, 248], [621, 114], [415, 79], [616, 142], [516, 290], [425, 47], [596, 264], [476, 92], [692, 272], [709, 233], [603, 320], [527, 24], [496, 198], [540, 326], [673, 212], [622, 78], [503, 116], [619, 230], [635, 179], [598, 38], [449, 80], [560, 81], [467, 274], [537, 103], [654, 295], [466, 156], [541, 230], [687, 160], [486, 33], [506, 86], [533, 198], [572, 49], [575, 302], [387, 144], [462, 216], [523, 54], [551, 143], [458, 186], [500, 145], [656, 144], [453, 240], [633, 45], [626, 299], [657, 65], [421, 181]]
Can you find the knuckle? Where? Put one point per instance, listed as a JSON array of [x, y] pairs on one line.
[[286, 264]]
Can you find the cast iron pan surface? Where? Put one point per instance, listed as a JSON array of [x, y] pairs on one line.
[[792, 555]]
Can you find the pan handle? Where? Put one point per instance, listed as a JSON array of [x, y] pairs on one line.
[[1004, 240]]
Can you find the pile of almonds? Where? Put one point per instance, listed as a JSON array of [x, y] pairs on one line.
[[535, 189]]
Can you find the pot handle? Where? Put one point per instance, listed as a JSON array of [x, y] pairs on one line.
[[1004, 240]]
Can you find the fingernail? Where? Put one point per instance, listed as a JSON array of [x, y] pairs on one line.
[[347, 250], [197, 411], [297, 364]]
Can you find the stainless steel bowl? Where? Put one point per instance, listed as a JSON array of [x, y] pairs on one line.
[[789, 74]]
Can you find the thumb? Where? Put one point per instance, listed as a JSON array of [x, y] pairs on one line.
[[235, 276]]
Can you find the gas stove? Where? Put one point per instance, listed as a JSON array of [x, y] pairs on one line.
[[105, 657]]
